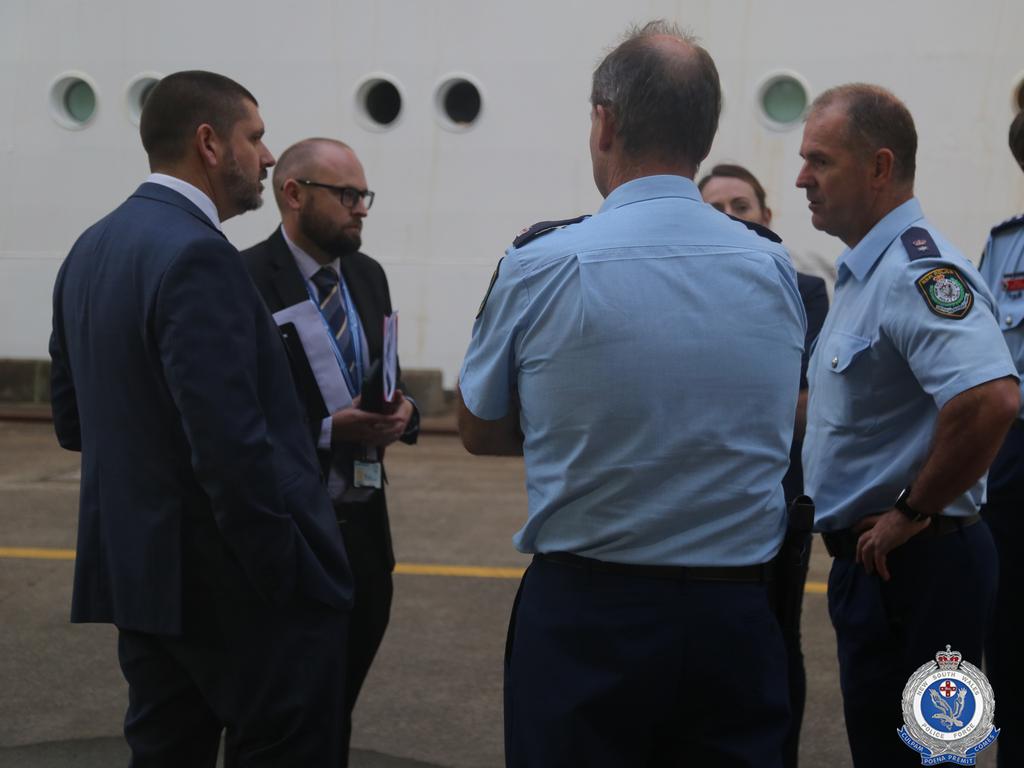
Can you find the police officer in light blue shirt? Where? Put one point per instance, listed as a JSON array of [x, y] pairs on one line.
[[911, 392], [1002, 267], [646, 362]]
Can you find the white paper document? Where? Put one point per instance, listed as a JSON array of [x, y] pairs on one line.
[[321, 352], [390, 355]]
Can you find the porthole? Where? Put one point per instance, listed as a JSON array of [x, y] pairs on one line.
[[379, 102], [1018, 95], [458, 102], [138, 91], [782, 100], [73, 100]]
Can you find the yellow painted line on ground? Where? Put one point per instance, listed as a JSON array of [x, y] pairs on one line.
[[36, 553], [409, 569], [470, 571]]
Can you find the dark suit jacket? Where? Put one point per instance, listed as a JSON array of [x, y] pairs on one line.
[[278, 279], [170, 378]]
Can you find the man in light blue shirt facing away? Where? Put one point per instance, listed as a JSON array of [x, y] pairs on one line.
[[646, 362], [911, 392]]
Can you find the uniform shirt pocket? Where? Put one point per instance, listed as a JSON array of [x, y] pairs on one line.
[[847, 383], [1011, 312]]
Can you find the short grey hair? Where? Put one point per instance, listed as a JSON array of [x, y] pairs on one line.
[[665, 105], [875, 119]]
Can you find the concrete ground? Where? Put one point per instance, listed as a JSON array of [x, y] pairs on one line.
[[433, 697]]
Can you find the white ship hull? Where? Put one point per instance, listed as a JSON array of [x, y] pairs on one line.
[[450, 200]]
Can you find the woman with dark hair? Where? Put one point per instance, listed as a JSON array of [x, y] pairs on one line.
[[735, 191]]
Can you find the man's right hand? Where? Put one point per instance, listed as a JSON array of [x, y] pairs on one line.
[[352, 425]]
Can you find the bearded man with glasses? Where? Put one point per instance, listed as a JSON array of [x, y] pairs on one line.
[[320, 189]]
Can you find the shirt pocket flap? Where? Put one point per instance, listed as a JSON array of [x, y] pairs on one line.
[[1011, 312], [843, 349]]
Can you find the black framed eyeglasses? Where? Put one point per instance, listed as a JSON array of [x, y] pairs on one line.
[[349, 196]]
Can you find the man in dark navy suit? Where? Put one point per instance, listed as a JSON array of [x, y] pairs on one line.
[[205, 534], [321, 190]]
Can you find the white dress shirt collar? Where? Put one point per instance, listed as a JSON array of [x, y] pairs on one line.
[[308, 266], [194, 195]]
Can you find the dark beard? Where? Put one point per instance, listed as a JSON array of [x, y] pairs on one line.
[[245, 194], [320, 230]]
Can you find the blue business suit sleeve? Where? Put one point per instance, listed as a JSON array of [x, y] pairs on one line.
[[205, 319], [62, 388]]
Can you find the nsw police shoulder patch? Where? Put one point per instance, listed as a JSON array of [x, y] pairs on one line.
[[946, 293], [490, 287]]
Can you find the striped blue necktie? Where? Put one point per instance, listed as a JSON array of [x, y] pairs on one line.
[[333, 309]]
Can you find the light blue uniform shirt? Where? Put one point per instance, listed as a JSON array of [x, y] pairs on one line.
[[1002, 267], [655, 351], [884, 366]]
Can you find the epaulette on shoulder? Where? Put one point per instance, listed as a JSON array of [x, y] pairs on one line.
[[542, 228], [919, 244], [1016, 221], [758, 229]]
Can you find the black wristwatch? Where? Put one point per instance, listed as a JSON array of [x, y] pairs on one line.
[[903, 506]]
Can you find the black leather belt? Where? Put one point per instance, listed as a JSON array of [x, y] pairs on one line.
[[742, 574], [843, 544]]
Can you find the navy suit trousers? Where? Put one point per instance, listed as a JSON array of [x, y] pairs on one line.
[[1004, 666], [267, 675]]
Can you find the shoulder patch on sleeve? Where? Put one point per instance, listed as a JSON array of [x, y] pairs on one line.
[[490, 287], [542, 228], [758, 229], [919, 244], [1016, 221], [946, 293]]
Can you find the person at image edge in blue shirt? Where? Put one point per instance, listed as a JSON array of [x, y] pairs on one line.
[[646, 363], [1002, 267], [911, 392]]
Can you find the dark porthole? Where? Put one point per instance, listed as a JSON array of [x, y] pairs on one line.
[[458, 102], [462, 103], [138, 91], [380, 101]]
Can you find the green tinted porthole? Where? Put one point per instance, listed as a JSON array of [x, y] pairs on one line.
[[783, 100], [80, 101], [73, 100]]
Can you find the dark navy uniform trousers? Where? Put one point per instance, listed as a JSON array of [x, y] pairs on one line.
[[617, 669], [940, 593], [1004, 664]]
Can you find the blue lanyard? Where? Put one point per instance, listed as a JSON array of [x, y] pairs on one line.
[[354, 328]]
